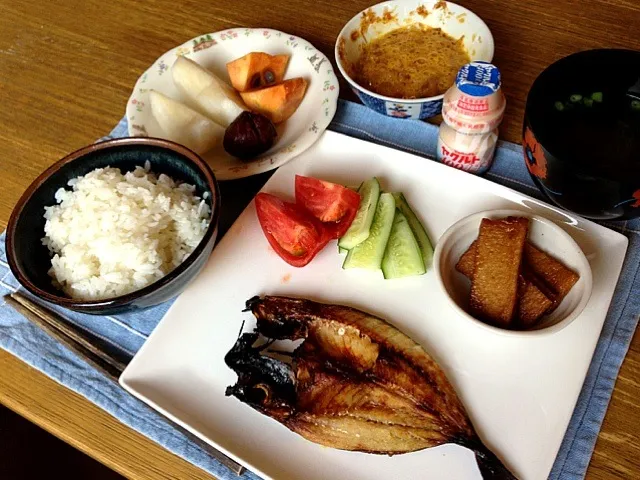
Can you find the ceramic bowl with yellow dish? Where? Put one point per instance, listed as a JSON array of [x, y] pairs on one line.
[[400, 56]]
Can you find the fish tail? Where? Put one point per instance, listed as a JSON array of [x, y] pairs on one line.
[[491, 467]]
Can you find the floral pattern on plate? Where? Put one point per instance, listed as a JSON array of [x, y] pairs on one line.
[[214, 50], [202, 43]]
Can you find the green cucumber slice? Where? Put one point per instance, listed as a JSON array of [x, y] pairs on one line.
[[359, 230], [342, 251], [402, 257], [426, 248], [369, 253]]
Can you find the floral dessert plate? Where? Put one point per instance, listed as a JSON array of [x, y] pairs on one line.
[[213, 51]]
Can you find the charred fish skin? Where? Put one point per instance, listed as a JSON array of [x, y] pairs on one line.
[[355, 383], [280, 326], [263, 382], [248, 305]]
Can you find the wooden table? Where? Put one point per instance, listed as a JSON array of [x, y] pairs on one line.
[[66, 71]]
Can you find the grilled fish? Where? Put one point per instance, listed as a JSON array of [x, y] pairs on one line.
[[355, 382]]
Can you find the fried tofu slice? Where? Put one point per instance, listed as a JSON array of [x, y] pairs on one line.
[[534, 300], [559, 278], [494, 288], [467, 261], [532, 303]]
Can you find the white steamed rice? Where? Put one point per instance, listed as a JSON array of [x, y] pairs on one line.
[[114, 233]]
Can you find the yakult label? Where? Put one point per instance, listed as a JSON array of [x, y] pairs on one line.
[[467, 161], [472, 105]]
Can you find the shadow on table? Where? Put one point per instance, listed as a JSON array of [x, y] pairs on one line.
[[27, 452]]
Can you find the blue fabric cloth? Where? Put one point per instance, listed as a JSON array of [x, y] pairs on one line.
[[129, 331]]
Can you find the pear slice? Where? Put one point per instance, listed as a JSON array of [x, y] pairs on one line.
[[183, 125], [210, 95]]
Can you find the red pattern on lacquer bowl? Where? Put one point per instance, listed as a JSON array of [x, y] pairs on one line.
[[534, 155]]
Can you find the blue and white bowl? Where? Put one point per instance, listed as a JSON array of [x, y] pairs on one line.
[[453, 19]]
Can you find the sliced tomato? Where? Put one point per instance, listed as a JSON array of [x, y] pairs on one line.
[[291, 231], [332, 204]]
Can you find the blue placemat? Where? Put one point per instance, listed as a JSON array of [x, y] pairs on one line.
[[129, 331]]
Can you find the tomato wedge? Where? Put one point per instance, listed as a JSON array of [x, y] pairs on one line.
[[333, 204], [292, 232]]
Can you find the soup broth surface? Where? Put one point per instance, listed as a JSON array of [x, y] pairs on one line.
[[603, 138]]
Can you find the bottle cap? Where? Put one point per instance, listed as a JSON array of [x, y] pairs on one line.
[[478, 79]]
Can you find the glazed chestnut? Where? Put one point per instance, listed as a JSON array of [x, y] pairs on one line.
[[249, 135]]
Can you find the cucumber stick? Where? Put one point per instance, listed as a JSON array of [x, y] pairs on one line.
[[369, 253], [426, 248], [359, 230], [402, 257]]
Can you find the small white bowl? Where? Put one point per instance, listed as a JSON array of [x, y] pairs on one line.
[[544, 234], [453, 19]]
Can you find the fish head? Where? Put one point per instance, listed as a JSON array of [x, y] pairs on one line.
[[275, 318], [265, 383]]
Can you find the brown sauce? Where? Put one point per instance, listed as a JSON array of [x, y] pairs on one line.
[[411, 62]]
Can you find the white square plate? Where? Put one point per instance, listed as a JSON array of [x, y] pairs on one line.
[[520, 393]]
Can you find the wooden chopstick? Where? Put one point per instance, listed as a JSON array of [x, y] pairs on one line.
[[47, 321], [97, 353], [79, 336]]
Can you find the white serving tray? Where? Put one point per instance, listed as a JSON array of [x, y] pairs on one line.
[[520, 393]]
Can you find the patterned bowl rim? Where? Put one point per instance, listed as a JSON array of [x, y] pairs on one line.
[[359, 87]]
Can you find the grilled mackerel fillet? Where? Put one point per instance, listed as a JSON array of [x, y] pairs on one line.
[[355, 383]]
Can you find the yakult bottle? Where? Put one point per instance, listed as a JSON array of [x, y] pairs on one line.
[[472, 110]]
